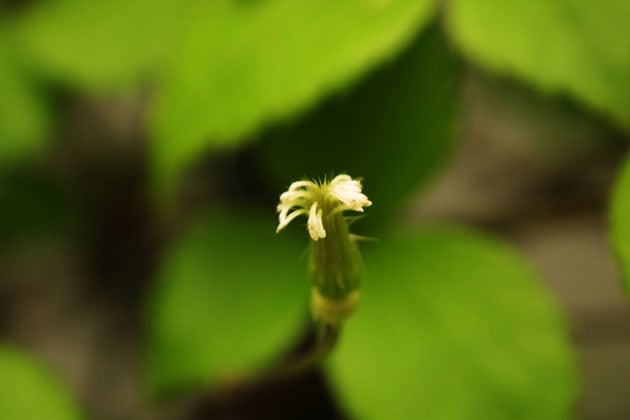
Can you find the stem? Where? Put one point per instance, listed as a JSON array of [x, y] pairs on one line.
[[325, 343], [287, 369]]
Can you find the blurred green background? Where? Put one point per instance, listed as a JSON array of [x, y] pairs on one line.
[[144, 144]]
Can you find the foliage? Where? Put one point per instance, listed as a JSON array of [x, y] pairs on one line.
[[23, 119], [350, 132], [217, 66], [368, 87], [214, 316], [479, 339], [240, 65], [120, 41], [575, 47], [28, 391], [481, 332]]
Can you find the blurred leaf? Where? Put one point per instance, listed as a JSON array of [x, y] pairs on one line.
[[28, 391], [98, 44], [393, 129], [243, 64], [23, 119], [231, 296], [453, 326], [578, 47], [621, 223]]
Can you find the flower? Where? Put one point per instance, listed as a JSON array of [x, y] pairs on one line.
[[335, 262], [318, 200]]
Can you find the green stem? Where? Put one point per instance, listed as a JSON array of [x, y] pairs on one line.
[[288, 369], [325, 343]]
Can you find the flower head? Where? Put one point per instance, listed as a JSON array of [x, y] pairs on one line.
[[335, 261], [320, 199]]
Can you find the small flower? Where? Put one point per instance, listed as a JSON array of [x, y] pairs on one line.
[[318, 198], [335, 261]]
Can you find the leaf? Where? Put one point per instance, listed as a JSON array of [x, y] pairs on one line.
[[393, 129], [453, 326], [620, 219], [241, 65], [28, 391], [98, 45], [23, 117], [576, 47], [231, 297]]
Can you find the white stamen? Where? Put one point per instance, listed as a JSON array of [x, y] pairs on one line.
[[315, 223], [340, 194]]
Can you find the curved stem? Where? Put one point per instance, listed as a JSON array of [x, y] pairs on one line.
[[287, 369], [325, 343]]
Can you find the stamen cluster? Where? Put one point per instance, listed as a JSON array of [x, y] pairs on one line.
[[315, 198]]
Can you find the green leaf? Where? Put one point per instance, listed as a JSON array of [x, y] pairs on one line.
[[393, 129], [23, 117], [621, 223], [29, 391], [241, 65], [576, 47], [453, 326], [231, 297], [98, 44]]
